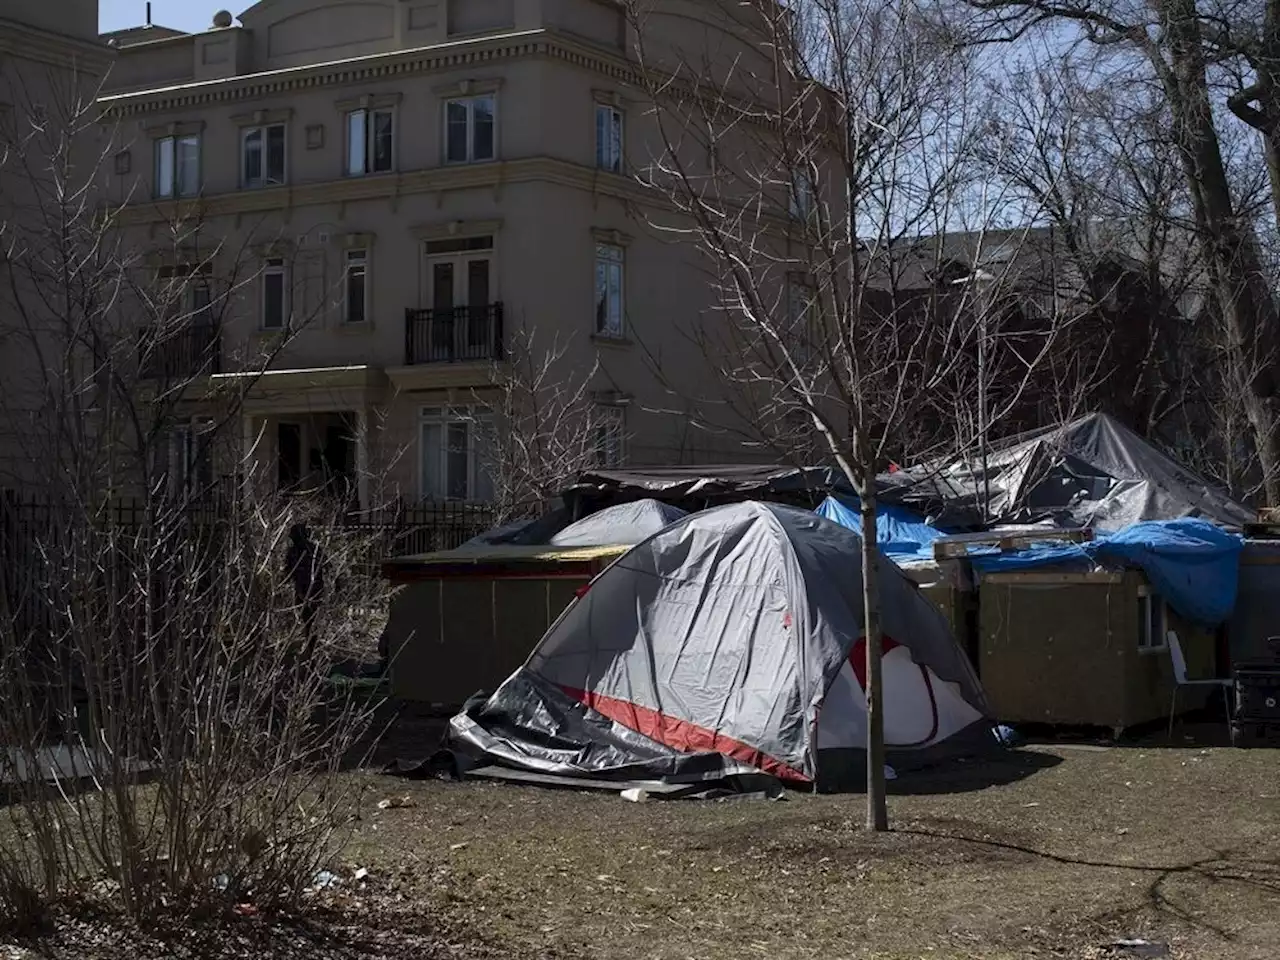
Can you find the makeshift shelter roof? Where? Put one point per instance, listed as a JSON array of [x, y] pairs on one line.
[[624, 523], [707, 483], [1092, 472], [902, 535], [729, 642]]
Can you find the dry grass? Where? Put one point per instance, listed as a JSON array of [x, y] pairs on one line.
[[1073, 848], [1078, 847]]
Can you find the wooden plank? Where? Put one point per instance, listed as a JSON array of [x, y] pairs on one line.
[[957, 545]]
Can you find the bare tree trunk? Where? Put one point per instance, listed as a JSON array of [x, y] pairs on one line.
[[1231, 252], [877, 807]]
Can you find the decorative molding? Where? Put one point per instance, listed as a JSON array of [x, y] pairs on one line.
[[357, 241], [175, 129], [315, 136], [369, 101], [23, 42], [447, 229], [610, 98], [611, 236], [470, 87], [123, 163], [260, 118], [443, 376], [453, 55], [433, 180]]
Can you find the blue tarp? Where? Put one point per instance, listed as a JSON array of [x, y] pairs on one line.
[[1193, 564], [901, 534]]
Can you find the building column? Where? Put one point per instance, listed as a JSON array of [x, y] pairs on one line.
[[361, 419]]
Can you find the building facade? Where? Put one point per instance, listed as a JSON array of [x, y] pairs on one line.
[[390, 197]]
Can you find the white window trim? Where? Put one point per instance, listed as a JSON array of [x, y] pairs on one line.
[[265, 182], [369, 114], [366, 261], [620, 332], [613, 111], [272, 267], [1146, 643], [443, 417], [170, 143], [469, 100]]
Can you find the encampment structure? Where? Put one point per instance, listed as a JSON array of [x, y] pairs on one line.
[[729, 642]]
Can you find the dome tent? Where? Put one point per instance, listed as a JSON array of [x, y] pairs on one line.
[[728, 643], [625, 523]]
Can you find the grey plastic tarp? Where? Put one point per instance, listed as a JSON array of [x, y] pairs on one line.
[[625, 523], [1091, 472], [712, 648]]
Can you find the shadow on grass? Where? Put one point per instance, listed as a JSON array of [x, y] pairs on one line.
[[1225, 867]]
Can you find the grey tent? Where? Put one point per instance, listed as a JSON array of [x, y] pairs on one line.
[[626, 523], [730, 641]]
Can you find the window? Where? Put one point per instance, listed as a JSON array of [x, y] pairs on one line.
[[370, 142], [609, 290], [801, 194], [609, 429], [186, 461], [455, 463], [263, 156], [1152, 631], [357, 286], [608, 138], [801, 314], [275, 295], [469, 132], [178, 166]]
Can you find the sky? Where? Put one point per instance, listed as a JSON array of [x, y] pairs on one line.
[[179, 14]]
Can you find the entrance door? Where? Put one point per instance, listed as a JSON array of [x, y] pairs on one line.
[[460, 294]]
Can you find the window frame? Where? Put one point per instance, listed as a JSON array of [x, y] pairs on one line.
[[272, 267], [168, 146], [611, 429], [264, 181], [614, 255], [1152, 609], [351, 258], [443, 417], [369, 115], [470, 101], [801, 195], [604, 146]]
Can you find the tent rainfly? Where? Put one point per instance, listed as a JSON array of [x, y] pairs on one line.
[[730, 642], [625, 523]]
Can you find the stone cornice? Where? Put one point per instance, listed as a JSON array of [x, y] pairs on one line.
[[377, 67], [40, 46], [431, 180]]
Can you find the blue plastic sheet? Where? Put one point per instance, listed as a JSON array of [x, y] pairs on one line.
[[900, 533], [1192, 563]]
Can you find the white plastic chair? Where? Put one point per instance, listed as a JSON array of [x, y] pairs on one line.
[[1180, 680]]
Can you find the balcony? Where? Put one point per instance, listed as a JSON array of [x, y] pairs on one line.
[[193, 350], [458, 335]]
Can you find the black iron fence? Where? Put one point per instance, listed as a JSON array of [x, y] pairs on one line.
[[450, 336]]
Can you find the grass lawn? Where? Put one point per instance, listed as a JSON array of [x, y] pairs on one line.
[[1074, 847], [1079, 846]]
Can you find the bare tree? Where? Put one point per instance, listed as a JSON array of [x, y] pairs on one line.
[[164, 638], [1189, 51], [817, 162], [542, 421]]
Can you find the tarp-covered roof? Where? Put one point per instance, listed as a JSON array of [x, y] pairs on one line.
[[1092, 472]]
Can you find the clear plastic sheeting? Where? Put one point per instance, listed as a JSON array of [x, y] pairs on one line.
[[626, 523], [729, 640]]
